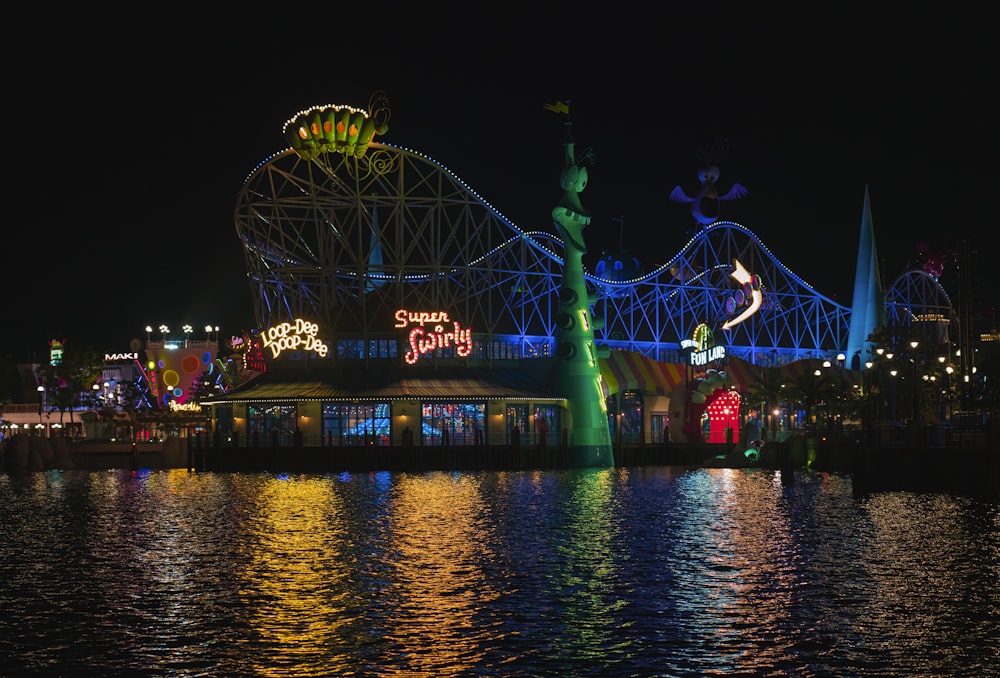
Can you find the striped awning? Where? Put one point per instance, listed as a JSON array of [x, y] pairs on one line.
[[742, 374], [628, 371]]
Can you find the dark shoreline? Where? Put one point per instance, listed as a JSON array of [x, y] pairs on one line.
[[973, 471]]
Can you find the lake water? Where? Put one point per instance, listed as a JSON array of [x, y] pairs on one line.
[[650, 571]]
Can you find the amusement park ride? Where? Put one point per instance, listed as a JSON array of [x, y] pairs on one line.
[[346, 231]]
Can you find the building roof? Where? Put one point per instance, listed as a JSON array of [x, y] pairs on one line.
[[527, 380]]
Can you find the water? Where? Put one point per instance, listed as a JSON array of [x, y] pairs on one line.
[[655, 571]]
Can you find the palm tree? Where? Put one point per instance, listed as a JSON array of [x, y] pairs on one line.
[[810, 389], [768, 391]]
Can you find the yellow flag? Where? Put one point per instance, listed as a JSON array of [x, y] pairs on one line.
[[558, 107]]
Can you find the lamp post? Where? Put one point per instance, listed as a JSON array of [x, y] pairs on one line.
[[841, 361], [817, 374], [149, 330], [880, 401], [163, 333], [41, 402], [947, 385], [916, 385], [96, 390], [829, 395], [869, 418], [187, 334], [892, 412]]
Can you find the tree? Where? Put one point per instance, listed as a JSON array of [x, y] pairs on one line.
[[768, 391], [809, 389], [206, 386], [67, 381], [131, 405]]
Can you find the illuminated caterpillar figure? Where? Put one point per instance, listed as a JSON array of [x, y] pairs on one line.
[[578, 373], [337, 129]]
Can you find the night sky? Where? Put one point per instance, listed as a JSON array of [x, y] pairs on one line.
[[130, 146]]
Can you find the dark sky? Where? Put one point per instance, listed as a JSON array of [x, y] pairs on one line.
[[127, 148]]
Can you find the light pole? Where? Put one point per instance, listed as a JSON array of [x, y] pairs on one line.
[[947, 384], [149, 330], [187, 334], [880, 401], [829, 394], [41, 402], [97, 389], [869, 418], [893, 373], [163, 333], [841, 361], [916, 385]]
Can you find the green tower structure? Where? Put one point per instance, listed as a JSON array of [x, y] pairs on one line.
[[578, 371]]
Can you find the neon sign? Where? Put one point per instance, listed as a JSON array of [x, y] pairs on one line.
[[186, 407], [294, 336], [132, 355], [56, 351], [749, 287], [699, 358], [424, 340]]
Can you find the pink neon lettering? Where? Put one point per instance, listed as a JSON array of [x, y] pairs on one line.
[[422, 341]]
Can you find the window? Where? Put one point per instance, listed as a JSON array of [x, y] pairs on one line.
[[356, 424]]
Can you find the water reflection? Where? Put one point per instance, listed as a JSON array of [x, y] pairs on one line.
[[442, 543], [642, 571]]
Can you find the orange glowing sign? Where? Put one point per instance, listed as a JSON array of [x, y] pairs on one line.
[[431, 331]]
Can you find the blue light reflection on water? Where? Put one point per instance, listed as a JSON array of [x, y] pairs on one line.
[[641, 571]]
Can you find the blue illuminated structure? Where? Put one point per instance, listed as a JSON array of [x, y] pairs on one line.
[[308, 232], [346, 240]]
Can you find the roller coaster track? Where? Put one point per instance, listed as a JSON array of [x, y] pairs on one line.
[[345, 242]]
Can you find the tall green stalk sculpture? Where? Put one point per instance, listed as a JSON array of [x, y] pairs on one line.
[[578, 373]]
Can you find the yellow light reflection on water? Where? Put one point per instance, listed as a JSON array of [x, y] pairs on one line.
[[295, 573], [442, 534]]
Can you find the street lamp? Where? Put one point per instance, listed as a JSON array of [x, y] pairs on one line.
[[97, 388], [829, 395], [187, 334], [916, 386], [870, 416], [893, 373], [41, 402], [841, 360], [149, 330], [163, 333]]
